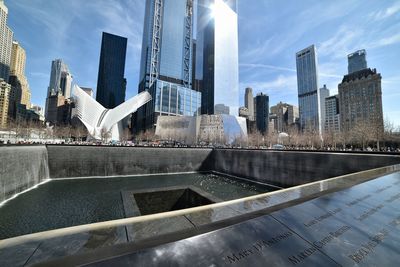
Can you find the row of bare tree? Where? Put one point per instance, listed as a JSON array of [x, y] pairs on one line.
[[31, 130], [361, 136]]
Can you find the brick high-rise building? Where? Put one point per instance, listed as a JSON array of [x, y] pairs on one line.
[[20, 93], [360, 99], [332, 115], [18, 61], [286, 116]]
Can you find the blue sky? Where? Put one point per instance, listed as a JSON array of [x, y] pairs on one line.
[[270, 33]]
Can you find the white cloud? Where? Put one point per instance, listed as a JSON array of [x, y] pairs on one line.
[[341, 43], [266, 66], [328, 69], [387, 12], [298, 26], [120, 18], [387, 41], [288, 83], [54, 19]]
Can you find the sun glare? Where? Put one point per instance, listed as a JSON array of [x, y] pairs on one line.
[[217, 8]]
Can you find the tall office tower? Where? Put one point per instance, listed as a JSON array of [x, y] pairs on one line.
[[308, 93], [286, 116], [279, 112], [357, 61], [249, 102], [20, 91], [262, 113], [217, 54], [4, 96], [6, 37], [332, 115], [167, 62], [88, 90], [60, 81], [292, 115], [323, 93], [111, 84], [360, 100]]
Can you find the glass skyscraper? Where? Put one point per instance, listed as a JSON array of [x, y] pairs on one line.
[[308, 93], [111, 84], [60, 82], [357, 61], [167, 60], [217, 64], [262, 113]]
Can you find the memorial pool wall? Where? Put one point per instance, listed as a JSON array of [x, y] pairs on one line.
[[23, 167]]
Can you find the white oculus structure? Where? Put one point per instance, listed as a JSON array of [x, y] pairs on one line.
[[99, 120]]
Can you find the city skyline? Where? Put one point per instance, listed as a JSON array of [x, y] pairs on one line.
[[266, 44]]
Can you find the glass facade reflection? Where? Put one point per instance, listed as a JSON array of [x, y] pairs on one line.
[[308, 93], [172, 42], [217, 64], [167, 33], [175, 100]]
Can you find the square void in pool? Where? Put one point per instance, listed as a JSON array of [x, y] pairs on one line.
[[137, 203]]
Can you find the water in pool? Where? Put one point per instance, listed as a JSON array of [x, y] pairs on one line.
[[70, 202]]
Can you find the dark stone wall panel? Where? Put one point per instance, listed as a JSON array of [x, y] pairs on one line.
[[85, 161], [289, 168]]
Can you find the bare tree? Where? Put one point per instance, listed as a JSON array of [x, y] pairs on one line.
[[361, 134], [331, 138], [255, 138], [79, 132], [126, 135], [105, 135], [149, 135]]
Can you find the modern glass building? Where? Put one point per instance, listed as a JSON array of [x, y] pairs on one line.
[[111, 84], [171, 99], [357, 61], [167, 43], [217, 64], [167, 57], [262, 113], [308, 93]]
